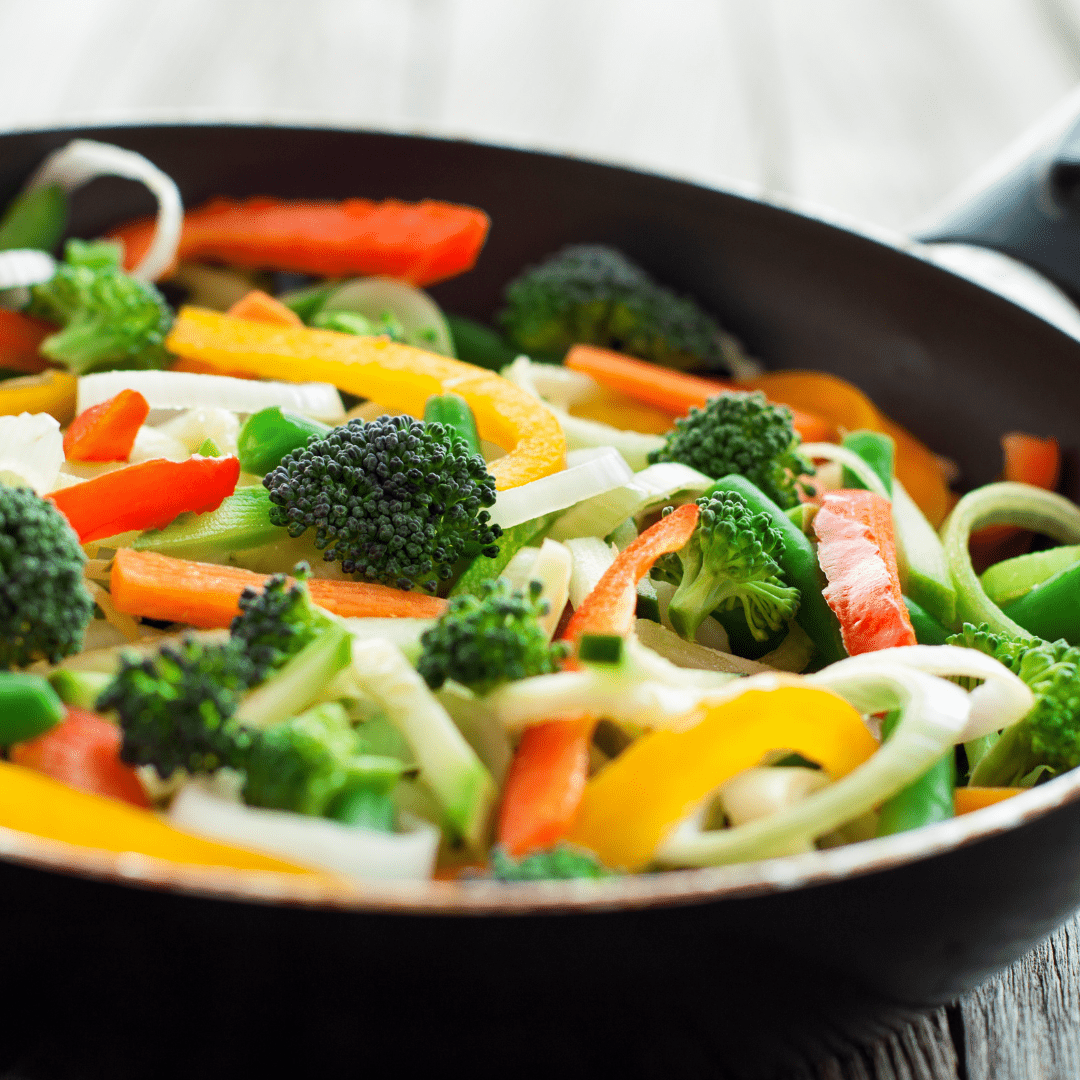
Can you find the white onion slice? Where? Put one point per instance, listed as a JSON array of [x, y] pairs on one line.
[[363, 854], [84, 159], [849, 460], [31, 451], [188, 390], [560, 490], [592, 557], [551, 564], [24, 267]]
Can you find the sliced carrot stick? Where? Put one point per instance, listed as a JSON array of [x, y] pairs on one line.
[[20, 337], [420, 243], [609, 608], [966, 799], [544, 785], [262, 307], [106, 432], [148, 495], [206, 595], [83, 751], [857, 552]]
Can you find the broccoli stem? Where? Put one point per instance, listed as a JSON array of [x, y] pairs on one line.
[[1006, 761]]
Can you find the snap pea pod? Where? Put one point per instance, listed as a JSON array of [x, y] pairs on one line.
[[928, 631], [528, 533], [478, 344], [927, 799], [1051, 610], [453, 412], [798, 560], [877, 450], [29, 707], [1010, 579], [36, 219], [268, 435]]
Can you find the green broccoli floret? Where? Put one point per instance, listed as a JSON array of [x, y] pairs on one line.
[[595, 295], [745, 434], [559, 864], [44, 604], [728, 561], [486, 640], [352, 322], [277, 621], [395, 501], [109, 319], [1050, 734]]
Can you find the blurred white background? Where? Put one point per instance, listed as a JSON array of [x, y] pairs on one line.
[[874, 108]]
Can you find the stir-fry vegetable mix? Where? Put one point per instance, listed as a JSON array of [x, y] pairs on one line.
[[315, 578]]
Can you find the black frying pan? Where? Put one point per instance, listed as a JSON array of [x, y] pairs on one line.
[[143, 970]]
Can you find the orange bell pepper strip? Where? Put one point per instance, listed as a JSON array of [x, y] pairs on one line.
[[50, 392], [149, 585], [634, 801], [83, 751], [857, 553], [544, 785], [20, 337], [146, 496], [420, 243], [849, 409], [41, 806], [675, 392], [106, 432], [609, 608], [968, 799], [396, 376], [1028, 460], [262, 307]]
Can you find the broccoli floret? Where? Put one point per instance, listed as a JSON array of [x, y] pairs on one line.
[[276, 622], [352, 322], [395, 501], [317, 764], [109, 320], [560, 863], [44, 604], [745, 434], [1050, 734], [595, 295], [728, 561], [486, 640], [176, 708]]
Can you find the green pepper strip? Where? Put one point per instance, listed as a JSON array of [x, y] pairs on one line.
[[798, 560], [1051, 610], [269, 435], [928, 631], [925, 800], [453, 412], [29, 707], [35, 220], [877, 450]]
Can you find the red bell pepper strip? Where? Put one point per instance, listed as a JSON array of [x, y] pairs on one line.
[[20, 337], [545, 784], [146, 496], [609, 608], [420, 243], [262, 307], [106, 432], [83, 751], [857, 552]]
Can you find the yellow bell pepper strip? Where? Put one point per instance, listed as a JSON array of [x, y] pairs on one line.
[[629, 806], [850, 409], [395, 375], [968, 799], [34, 803], [51, 392]]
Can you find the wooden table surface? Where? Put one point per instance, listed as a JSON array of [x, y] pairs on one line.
[[1021, 1025]]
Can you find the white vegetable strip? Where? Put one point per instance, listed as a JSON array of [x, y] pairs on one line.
[[710, 633], [195, 426], [84, 159], [31, 451], [592, 557], [19, 269], [188, 390], [935, 715], [549, 564], [448, 765], [654, 486], [363, 854], [850, 460], [692, 654], [560, 490], [151, 443]]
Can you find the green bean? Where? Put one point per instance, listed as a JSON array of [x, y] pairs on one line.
[[877, 450], [453, 412], [29, 707], [928, 631], [1051, 610], [927, 799]]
